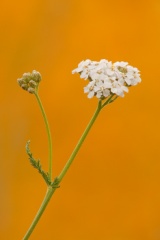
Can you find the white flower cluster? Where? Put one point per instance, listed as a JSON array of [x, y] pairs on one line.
[[107, 78]]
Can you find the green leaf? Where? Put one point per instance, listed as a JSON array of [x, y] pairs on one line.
[[36, 164]]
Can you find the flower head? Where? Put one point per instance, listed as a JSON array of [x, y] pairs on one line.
[[107, 78], [30, 81]]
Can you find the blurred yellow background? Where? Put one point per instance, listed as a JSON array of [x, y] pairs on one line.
[[112, 191]]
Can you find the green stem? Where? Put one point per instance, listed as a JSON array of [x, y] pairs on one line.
[[48, 134], [44, 204], [109, 100], [79, 144], [52, 188]]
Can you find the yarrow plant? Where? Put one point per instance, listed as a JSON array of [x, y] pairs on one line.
[[107, 82]]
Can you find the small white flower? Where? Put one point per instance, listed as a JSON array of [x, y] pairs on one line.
[[118, 88], [101, 89], [90, 89], [81, 66]]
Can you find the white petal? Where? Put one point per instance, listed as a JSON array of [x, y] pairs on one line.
[[91, 94], [84, 75], [125, 89], [86, 89], [120, 92], [128, 81], [106, 93], [114, 90], [99, 94], [110, 72], [107, 84]]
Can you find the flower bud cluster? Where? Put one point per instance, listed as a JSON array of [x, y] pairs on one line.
[[107, 78], [30, 81]]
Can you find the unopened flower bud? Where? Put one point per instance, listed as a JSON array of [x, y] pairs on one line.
[[36, 76], [30, 81], [20, 81], [24, 86], [31, 90], [26, 77]]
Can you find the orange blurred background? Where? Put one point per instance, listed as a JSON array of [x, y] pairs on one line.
[[112, 191]]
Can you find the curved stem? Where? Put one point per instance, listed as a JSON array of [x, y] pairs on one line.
[[44, 204], [79, 144], [48, 134]]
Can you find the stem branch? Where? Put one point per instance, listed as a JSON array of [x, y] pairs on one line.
[[48, 134], [79, 144]]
